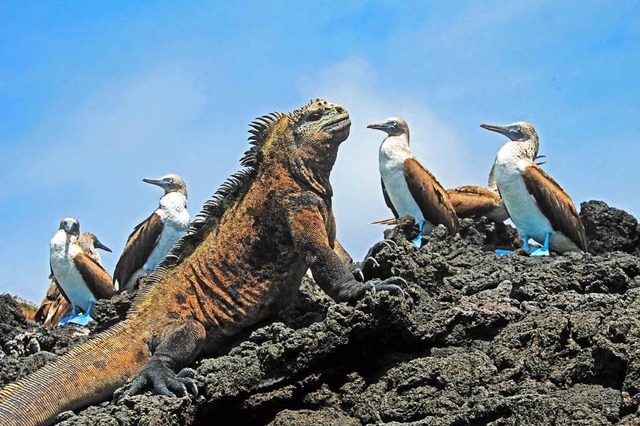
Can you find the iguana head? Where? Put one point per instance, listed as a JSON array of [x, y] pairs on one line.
[[320, 126], [306, 141]]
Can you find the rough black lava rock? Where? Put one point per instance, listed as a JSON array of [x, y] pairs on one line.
[[609, 229], [477, 339]]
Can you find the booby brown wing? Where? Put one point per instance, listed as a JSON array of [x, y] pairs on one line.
[[387, 200], [52, 294], [95, 277], [53, 307], [430, 195], [139, 246], [475, 201], [555, 204]]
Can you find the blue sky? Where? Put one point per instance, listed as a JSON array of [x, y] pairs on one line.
[[95, 96]]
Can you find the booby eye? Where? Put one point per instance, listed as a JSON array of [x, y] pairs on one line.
[[394, 123], [518, 128], [170, 180], [314, 116]]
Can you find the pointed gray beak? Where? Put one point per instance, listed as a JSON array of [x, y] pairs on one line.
[[378, 126], [157, 182], [504, 130], [98, 244]]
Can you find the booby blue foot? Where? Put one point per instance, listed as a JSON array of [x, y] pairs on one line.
[[539, 252], [83, 319], [418, 240], [544, 250], [501, 252], [65, 320]]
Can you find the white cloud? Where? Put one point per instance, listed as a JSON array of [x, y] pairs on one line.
[[355, 178]]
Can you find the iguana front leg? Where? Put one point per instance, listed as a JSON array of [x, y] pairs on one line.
[[177, 346], [309, 234]]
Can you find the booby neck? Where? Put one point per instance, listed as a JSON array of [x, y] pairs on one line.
[[395, 147], [172, 200], [515, 151], [63, 239]]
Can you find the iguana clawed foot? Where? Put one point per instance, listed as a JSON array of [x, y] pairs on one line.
[[355, 290], [390, 285], [164, 381]]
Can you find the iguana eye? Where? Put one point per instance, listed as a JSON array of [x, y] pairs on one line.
[[314, 116]]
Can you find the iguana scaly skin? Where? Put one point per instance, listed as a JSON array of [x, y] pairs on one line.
[[242, 259]]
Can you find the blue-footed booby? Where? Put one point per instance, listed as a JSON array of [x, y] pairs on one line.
[[152, 239], [80, 278], [537, 205], [55, 306], [408, 187]]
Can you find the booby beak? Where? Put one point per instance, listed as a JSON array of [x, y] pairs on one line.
[[158, 182], [379, 126], [509, 131], [98, 244]]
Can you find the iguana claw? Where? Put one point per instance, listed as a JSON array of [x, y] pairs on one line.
[[164, 381], [372, 260], [377, 248], [389, 286], [358, 274]]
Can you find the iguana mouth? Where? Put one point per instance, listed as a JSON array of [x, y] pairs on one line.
[[338, 125]]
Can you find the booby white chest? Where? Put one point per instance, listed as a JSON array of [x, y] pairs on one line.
[[391, 157], [62, 249], [175, 219]]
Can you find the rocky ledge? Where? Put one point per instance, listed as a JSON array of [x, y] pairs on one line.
[[477, 339]]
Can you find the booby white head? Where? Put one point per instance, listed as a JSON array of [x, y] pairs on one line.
[[152, 239], [90, 243], [170, 183], [408, 187], [70, 226], [538, 206], [393, 126], [81, 279]]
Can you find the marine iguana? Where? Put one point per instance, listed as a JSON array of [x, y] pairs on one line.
[[244, 256]]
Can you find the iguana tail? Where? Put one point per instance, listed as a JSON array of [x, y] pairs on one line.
[[88, 374]]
